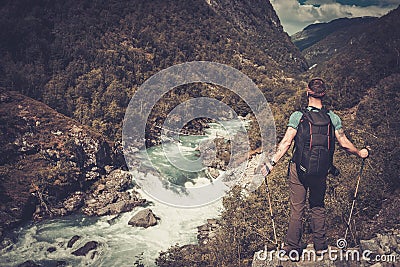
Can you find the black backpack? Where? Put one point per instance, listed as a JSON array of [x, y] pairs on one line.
[[314, 143]]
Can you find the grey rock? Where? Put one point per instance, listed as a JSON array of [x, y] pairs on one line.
[[92, 175], [83, 251], [112, 203], [72, 241], [29, 263], [204, 227], [61, 263], [57, 211], [372, 245], [119, 180], [51, 249], [108, 169], [385, 244], [392, 242], [144, 218], [110, 195], [207, 232], [74, 202]]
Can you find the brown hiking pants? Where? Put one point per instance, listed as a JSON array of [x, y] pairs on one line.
[[298, 192]]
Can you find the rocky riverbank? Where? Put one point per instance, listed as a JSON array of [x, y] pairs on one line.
[[52, 166]]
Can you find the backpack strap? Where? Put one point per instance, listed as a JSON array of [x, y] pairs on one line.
[[299, 146], [313, 108]]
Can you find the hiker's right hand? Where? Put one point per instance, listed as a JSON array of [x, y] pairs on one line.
[[364, 153], [266, 169]]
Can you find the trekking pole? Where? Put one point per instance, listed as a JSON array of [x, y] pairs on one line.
[[354, 197], [270, 208], [271, 213]]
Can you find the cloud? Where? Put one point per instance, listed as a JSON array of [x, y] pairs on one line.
[[295, 16]]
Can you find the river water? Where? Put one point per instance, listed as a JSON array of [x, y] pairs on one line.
[[120, 244]]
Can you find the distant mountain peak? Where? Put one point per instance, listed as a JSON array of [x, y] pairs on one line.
[[316, 32]]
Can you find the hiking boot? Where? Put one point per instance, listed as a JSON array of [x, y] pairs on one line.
[[287, 249]]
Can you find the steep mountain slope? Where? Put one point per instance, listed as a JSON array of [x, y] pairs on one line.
[[369, 55], [86, 58], [48, 162], [261, 26], [333, 41], [316, 32]]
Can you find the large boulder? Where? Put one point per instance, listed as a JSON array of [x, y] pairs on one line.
[[144, 218], [83, 251], [72, 241]]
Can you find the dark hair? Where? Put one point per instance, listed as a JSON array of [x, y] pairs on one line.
[[316, 88]]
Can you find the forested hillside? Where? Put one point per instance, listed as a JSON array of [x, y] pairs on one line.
[[87, 58]]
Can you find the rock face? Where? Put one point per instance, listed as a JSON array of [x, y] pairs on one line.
[[48, 161], [110, 196], [74, 202], [259, 21], [144, 218]]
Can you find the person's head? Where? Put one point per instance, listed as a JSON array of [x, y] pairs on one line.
[[316, 88]]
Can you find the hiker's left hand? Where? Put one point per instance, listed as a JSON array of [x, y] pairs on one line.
[[266, 169]]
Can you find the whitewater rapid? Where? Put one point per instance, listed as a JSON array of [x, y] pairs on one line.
[[119, 243]]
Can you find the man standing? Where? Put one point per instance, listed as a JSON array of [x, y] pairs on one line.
[[314, 130]]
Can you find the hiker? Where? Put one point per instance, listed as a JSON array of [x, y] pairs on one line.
[[314, 130]]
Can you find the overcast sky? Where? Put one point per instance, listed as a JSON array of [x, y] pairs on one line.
[[297, 14]]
